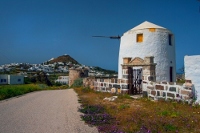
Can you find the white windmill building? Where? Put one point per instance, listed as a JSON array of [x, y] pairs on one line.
[[152, 44]]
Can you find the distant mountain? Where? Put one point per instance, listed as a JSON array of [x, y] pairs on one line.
[[63, 58]]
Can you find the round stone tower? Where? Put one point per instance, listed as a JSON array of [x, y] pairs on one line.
[[75, 73], [148, 39]]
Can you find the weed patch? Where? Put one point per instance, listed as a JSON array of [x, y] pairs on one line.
[[8, 91], [137, 116], [124, 96], [124, 106], [95, 115]]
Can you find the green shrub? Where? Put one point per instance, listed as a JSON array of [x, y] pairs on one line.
[[27, 80], [8, 91], [42, 86], [78, 83], [170, 127], [58, 84]]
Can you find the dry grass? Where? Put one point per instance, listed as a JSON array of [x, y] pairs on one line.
[[144, 115]]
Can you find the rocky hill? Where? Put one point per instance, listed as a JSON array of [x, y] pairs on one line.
[[96, 68], [64, 59]]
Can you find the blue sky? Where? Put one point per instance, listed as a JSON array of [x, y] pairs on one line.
[[34, 31]]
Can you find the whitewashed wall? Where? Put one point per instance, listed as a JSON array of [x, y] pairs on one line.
[[3, 79], [192, 72], [63, 79], [15, 79], [154, 44]]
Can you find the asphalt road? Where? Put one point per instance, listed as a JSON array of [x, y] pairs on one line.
[[43, 112]]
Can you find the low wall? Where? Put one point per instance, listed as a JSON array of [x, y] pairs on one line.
[[112, 85], [152, 90], [169, 90]]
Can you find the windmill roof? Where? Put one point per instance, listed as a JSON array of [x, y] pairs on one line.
[[146, 25]]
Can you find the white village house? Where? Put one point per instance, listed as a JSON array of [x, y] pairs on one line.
[[11, 79], [63, 79]]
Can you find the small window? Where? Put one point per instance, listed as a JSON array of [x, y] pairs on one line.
[[19, 80], [4, 80], [152, 29], [170, 39], [139, 38], [1, 80]]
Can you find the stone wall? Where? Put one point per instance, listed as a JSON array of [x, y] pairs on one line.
[[152, 90], [107, 85], [75, 73], [89, 82], [168, 90], [112, 85]]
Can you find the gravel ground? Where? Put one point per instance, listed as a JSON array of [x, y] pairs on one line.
[[43, 112]]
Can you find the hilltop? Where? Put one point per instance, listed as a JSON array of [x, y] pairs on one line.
[[64, 59], [60, 64]]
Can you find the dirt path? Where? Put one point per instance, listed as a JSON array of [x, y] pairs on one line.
[[43, 112]]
